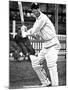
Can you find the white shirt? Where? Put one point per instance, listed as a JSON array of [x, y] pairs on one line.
[[44, 28]]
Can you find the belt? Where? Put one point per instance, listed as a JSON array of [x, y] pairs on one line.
[[51, 46]]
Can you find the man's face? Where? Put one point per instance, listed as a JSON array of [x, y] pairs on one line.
[[35, 12]]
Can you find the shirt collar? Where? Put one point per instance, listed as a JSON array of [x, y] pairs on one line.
[[40, 15]]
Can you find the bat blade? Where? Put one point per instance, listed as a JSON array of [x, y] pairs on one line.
[[21, 12]]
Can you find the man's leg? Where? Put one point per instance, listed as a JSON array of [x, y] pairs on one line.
[[23, 48], [39, 69], [15, 45], [51, 58], [15, 49], [29, 47]]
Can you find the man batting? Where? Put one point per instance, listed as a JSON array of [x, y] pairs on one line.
[[50, 49]]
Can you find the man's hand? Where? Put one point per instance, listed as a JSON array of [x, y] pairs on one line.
[[24, 34], [23, 30]]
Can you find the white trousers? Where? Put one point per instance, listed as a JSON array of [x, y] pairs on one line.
[[51, 56]]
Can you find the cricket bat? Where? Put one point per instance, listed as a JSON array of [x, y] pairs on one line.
[[21, 12], [23, 28]]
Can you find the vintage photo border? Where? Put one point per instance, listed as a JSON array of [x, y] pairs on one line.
[[4, 36]]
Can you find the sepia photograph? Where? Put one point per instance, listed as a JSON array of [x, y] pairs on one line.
[[37, 44]]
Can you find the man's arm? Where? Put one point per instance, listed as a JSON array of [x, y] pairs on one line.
[[36, 27]]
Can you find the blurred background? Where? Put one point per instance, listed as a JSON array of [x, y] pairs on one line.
[[21, 73]]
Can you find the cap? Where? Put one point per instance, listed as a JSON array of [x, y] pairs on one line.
[[34, 6]]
